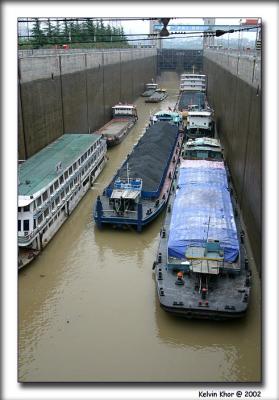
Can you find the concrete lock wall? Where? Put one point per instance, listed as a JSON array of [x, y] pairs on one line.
[[74, 92], [237, 106]]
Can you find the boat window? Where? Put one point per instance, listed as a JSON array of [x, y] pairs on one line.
[[66, 174], [75, 166], [39, 201], [40, 218], [26, 224], [18, 209], [61, 179], [26, 208], [46, 212], [70, 170], [57, 200], [62, 194], [56, 184], [53, 205], [51, 189], [19, 225], [45, 195], [67, 189], [34, 224]]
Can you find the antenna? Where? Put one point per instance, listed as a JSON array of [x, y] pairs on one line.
[[128, 173], [207, 229]]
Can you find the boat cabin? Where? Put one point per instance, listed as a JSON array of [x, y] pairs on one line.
[[151, 86], [207, 259], [192, 82], [124, 110], [203, 149], [126, 195], [199, 120], [169, 116]]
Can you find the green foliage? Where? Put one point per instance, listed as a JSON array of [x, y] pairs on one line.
[[85, 34]]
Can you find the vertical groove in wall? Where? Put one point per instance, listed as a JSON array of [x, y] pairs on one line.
[[120, 80], [22, 119], [103, 84], [86, 93], [61, 94], [245, 154]]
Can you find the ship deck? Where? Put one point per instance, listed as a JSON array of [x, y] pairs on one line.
[[113, 127]]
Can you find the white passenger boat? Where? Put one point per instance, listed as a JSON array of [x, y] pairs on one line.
[[193, 83], [51, 184]]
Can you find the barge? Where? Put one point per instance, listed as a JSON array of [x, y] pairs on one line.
[[201, 269], [124, 117], [157, 96], [140, 189], [51, 184]]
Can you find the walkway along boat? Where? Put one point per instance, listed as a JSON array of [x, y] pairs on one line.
[[140, 189], [150, 89], [157, 96], [124, 118], [51, 184], [201, 269]]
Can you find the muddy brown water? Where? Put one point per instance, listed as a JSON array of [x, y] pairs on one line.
[[88, 309]]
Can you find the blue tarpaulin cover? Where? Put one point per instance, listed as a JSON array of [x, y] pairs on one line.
[[202, 210]]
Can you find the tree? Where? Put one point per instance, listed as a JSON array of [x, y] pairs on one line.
[[38, 37], [49, 32], [57, 34]]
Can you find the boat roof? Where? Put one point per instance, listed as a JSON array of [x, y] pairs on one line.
[[203, 141], [199, 148], [124, 194], [38, 171], [124, 106], [167, 112], [196, 75], [197, 113]]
